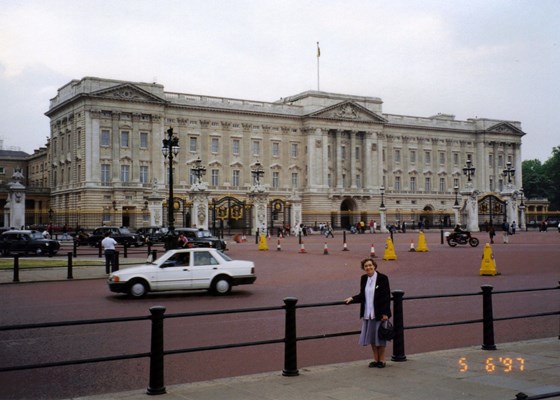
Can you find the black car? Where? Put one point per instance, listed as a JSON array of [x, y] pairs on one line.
[[123, 236], [26, 241], [152, 234], [201, 238]]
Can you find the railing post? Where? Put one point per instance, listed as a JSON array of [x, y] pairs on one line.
[[99, 247], [290, 338], [75, 248], [16, 268], [126, 250], [156, 385], [487, 318], [69, 275], [398, 324]]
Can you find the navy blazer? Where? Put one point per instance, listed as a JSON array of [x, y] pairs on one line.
[[381, 296]]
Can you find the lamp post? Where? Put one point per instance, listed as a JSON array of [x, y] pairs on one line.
[[469, 170], [382, 190], [257, 171], [198, 170], [170, 148], [509, 171], [522, 209], [456, 191]]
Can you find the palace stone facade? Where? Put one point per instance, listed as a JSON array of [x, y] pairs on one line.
[[328, 154]]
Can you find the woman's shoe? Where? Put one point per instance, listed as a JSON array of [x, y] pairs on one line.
[[380, 364], [374, 364]]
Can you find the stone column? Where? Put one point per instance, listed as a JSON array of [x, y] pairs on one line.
[[367, 164], [339, 165], [352, 156], [296, 212], [457, 214], [383, 217]]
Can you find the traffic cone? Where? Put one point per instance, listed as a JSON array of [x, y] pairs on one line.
[[278, 247], [326, 249], [302, 248], [389, 250], [488, 264], [345, 248], [372, 251], [412, 246], [262, 243], [422, 246]]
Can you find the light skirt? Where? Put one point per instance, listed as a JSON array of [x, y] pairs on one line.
[[369, 334]]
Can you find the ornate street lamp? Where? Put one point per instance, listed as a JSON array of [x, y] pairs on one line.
[[522, 195], [509, 172], [170, 148], [469, 170], [456, 191], [382, 190], [198, 170], [257, 171]]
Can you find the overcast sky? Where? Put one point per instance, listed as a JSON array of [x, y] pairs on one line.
[[474, 58]]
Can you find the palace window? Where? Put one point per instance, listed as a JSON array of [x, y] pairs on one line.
[[427, 157], [193, 144], [275, 180], [413, 156], [397, 183], [105, 139], [235, 177], [294, 150], [256, 148], [125, 173], [442, 185], [144, 174], [235, 147], [105, 174], [143, 140], [125, 139], [215, 177], [215, 145], [413, 184], [427, 184], [397, 155], [294, 180], [275, 149]]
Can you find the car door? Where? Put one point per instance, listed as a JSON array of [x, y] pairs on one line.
[[174, 274], [205, 266]]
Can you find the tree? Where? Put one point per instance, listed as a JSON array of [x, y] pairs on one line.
[[551, 168], [535, 181]]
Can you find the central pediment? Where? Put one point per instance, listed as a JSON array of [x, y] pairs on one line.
[[348, 111], [128, 92]]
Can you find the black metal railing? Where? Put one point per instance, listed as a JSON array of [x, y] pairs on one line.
[[157, 352]]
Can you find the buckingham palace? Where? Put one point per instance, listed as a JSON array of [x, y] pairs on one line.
[[314, 157]]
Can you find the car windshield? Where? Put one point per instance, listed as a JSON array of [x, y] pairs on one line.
[[203, 234], [124, 230], [36, 235], [223, 255]]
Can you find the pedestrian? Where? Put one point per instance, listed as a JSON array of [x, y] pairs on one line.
[[108, 244], [46, 234], [182, 240], [375, 307], [491, 233], [374, 226], [505, 228], [513, 227], [329, 231], [65, 233]]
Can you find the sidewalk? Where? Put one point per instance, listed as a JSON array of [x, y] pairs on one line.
[[530, 367]]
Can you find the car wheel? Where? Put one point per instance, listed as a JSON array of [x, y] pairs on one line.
[[38, 251], [137, 289], [221, 285]]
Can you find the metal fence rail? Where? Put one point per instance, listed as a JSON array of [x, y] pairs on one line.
[[157, 352]]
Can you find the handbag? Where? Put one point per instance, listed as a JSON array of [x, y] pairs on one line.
[[386, 331]]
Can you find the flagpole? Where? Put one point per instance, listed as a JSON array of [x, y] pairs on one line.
[[318, 56]]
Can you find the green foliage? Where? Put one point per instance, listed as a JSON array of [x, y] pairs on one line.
[[543, 180]]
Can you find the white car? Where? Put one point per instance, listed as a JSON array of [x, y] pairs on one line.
[[184, 269]]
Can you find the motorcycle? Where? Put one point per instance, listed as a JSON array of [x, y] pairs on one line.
[[456, 238]]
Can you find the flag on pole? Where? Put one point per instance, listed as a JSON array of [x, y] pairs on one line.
[[318, 50]]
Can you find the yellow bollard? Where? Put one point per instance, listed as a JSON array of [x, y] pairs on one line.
[[488, 264], [422, 246], [262, 243], [389, 250]]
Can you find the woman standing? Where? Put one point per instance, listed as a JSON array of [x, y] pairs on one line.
[[375, 306]]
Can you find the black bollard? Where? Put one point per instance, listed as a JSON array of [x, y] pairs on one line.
[[16, 268], [290, 338], [100, 248], [156, 385], [69, 275], [487, 318], [126, 250], [398, 324], [75, 248]]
